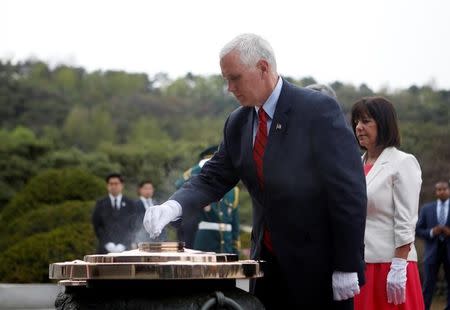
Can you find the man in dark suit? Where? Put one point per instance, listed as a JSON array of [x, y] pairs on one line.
[[301, 165], [434, 227], [114, 218]]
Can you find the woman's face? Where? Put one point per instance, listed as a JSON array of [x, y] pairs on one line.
[[366, 131]]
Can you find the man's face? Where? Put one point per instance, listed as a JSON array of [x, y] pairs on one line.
[[115, 186], [442, 191], [146, 190], [245, 82]]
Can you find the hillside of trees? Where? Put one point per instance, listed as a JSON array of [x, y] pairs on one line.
[[59, 119]]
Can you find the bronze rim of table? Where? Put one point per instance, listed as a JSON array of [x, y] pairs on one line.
[[154, 261]]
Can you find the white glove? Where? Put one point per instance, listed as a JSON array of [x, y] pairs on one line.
[[396, 281], [120, 247], [157, 217], [110, 247], [345, 285]]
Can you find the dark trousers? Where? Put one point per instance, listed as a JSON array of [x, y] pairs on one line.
[[431, 274], [274, 294]]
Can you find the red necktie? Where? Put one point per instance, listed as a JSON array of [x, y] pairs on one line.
[[260, 145], [258, 155]]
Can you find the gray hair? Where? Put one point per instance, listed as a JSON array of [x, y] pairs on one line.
[[324, 89], [251, 48]]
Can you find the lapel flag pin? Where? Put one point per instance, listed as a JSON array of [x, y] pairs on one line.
[[278, 126]]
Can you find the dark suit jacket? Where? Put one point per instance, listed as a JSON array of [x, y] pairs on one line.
[[428, 220], [314, 198], [110, 225]]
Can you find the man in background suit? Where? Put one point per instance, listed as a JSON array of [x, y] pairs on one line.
[[145, 201], [114, 218], [434, 227], [301, 165]]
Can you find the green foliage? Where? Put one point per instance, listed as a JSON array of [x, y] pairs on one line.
[[148, 129], [44, 218], [53, 187], [95, 162], [429, 143], [141, 161], [18, 152], [86, 128], [28, 260]]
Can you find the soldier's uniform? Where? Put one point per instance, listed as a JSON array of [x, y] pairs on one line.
[[218, 228], [218, 223]]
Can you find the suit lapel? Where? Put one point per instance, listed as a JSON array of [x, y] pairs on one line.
[[278, 128], [447, 222], [379, 165]]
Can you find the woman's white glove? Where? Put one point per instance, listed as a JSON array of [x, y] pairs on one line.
[[396, 281], [345, 285], [157, 217]]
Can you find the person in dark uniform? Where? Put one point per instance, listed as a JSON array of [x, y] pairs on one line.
[[433, 227], [216, 228], [114, 218], [145, 201]]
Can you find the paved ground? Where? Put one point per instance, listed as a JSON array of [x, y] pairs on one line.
[[38, 296]]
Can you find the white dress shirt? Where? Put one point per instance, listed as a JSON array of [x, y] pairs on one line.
[[148, 202], [118, 199]]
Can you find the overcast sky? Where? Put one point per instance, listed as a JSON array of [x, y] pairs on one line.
[[393, 43]]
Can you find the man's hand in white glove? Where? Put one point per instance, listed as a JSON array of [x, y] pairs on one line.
[[345, 285], [157, 217], [110, 247], [120, 247], [396, 281]]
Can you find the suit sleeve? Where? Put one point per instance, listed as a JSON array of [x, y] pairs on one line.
[[422, 229], [97, 223], [339, 163], [407, 182]]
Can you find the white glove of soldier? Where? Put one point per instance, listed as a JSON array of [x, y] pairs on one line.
[[110, 247], [119, 247], [396, 281], [345, 285], [157, 217]]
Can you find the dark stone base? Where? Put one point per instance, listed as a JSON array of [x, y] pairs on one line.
[[144, 295]]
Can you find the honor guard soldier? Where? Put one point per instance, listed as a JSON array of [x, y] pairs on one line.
[[217, 227]]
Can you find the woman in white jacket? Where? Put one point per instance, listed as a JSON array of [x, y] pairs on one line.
[[393, 181]]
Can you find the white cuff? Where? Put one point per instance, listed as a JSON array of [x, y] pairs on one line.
[[176, 209]]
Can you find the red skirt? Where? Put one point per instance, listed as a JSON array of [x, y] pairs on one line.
[[373, 294]]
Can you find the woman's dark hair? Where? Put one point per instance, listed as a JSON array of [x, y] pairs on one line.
[[383, 112]]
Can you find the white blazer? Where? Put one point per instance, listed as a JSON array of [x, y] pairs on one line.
[[393, 188]]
